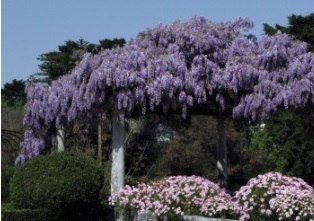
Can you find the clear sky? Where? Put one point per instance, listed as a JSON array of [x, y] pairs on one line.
[[33, 27]]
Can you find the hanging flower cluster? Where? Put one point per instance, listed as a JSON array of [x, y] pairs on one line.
[[179, 66], [273, 196], [284, 78], [180, 195]]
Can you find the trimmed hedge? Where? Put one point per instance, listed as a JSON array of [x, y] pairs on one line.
[[6, 175], [67, 184], [8, 213]]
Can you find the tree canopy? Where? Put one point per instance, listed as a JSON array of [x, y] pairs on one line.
[[14, 93], [58, 63], [182, 66]]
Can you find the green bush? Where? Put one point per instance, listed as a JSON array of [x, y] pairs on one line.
[[9, 213], [6, 175], [66, 184]]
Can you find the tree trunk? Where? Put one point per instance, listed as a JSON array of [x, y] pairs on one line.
[[222, 153], [60, 138]]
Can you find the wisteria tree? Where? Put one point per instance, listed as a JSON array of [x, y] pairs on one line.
[[194, 67]]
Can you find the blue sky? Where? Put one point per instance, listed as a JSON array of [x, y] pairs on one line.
[[32, 27]]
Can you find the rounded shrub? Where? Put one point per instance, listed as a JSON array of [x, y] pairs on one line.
[[6, 175], [65, 183]]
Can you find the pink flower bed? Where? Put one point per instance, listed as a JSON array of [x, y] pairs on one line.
[[271, 196], [180, 195]]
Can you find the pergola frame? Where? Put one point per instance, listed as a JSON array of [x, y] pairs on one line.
[[195, 67]]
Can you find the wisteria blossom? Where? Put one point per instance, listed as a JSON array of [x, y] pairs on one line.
[[176, 68], [273, 196], [180, 195]]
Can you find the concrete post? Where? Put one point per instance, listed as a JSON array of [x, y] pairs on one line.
[[117, 167], [60, 138], [222, 153], [99, 142]]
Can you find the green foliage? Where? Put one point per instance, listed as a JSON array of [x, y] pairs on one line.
[[13, 94], [82, 136], [255, 154], [287, 142], [147, 137], [192, 150], [11, 131], [57, 63], [9, 213], [107, 212], [293, 141], [165, 146], [66, 184], [7, 206], [109, 44], [6, 175], [10, 139]]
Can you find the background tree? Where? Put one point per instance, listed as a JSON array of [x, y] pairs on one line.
[[193, 149], [147, 138], [58, 63], [109, 44], [11, 133], [13, 98], [13, 94]]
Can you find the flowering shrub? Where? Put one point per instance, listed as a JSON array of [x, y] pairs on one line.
[[273, 196], [178, 195]]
